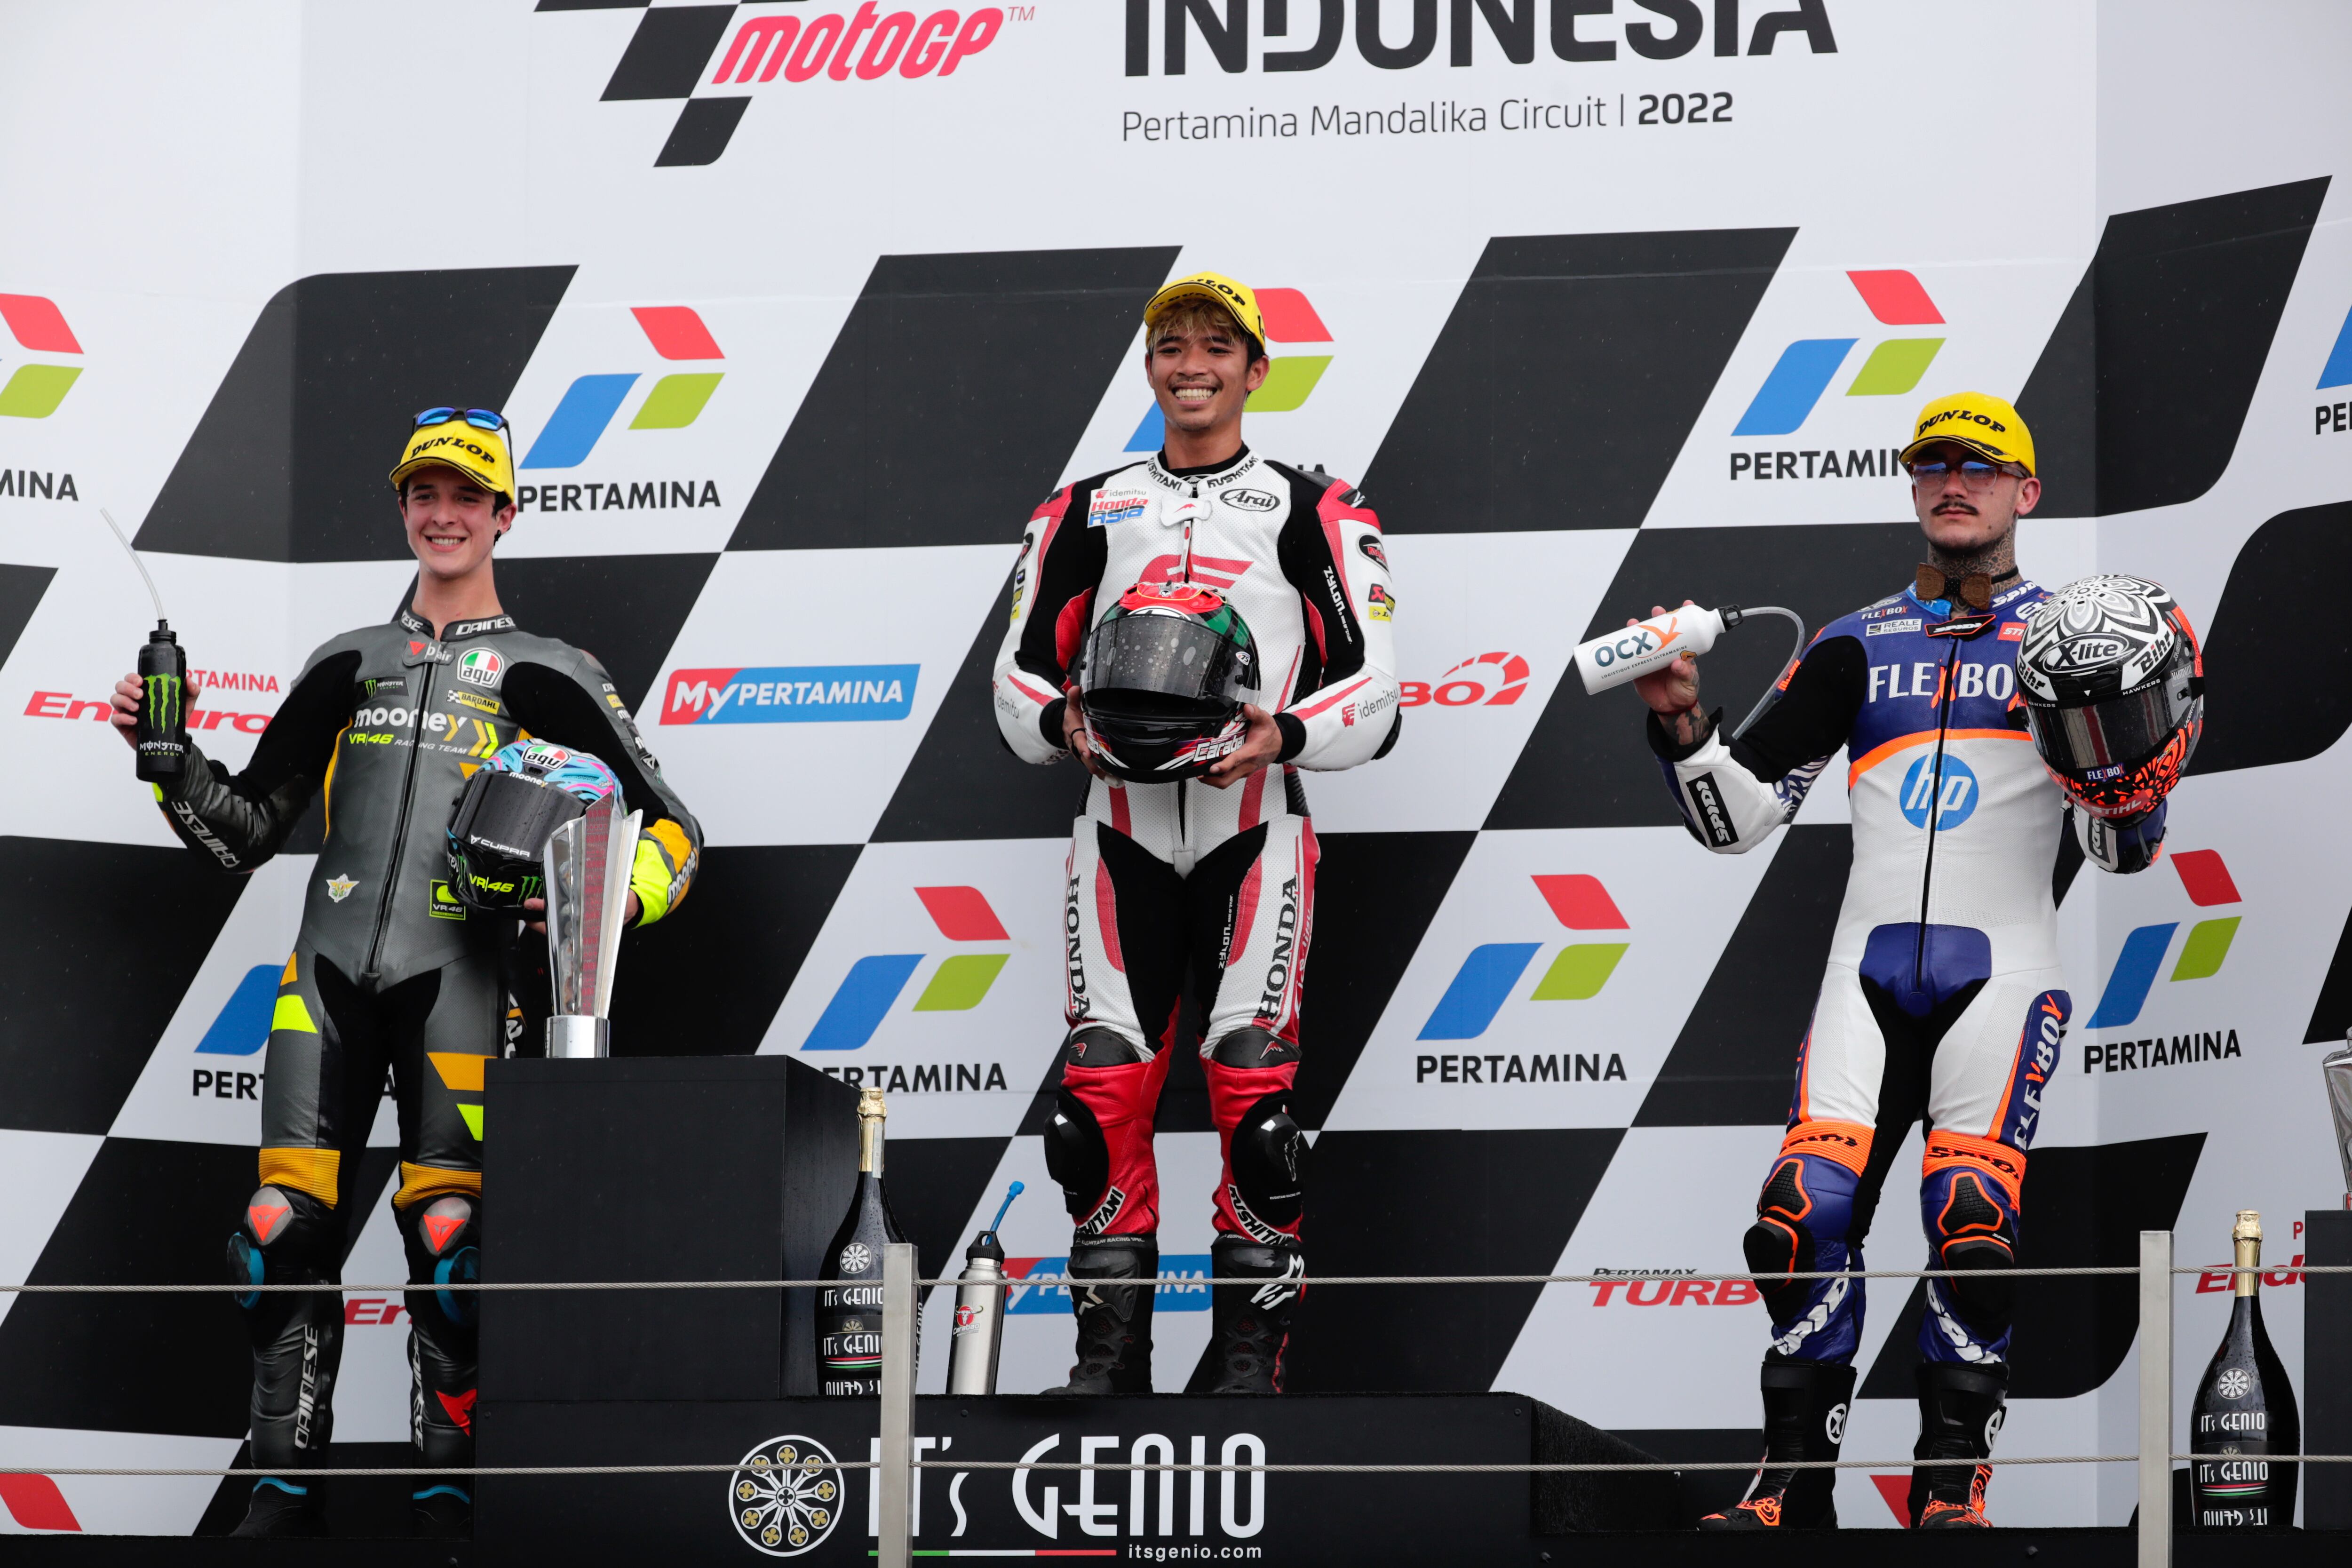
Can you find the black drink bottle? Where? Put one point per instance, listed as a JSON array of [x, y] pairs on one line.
[[161, 735], [2244, 1412], [849, 1306]]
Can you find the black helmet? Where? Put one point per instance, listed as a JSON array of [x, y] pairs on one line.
[[2115, 692], [505, 814], [1160, 678]]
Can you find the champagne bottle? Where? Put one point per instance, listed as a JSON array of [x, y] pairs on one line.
[[849, 1306], [2244, 1412]]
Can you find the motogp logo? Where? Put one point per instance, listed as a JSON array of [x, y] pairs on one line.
[[1951, 804]]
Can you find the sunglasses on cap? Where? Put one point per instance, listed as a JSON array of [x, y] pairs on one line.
[[479, 418]]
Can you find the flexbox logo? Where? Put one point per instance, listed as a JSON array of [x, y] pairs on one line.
[[34, 391], [1805, 367], [1290, 380], [2209, 885], [1486, 980], [676, 401], [960, 983], [669, 56], [792, 694]]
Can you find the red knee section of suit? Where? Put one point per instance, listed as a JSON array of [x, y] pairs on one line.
[[1123, 1099], [1231, 1091]]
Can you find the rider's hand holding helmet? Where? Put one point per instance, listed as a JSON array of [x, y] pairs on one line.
[[1160, 682], [2114, 693]]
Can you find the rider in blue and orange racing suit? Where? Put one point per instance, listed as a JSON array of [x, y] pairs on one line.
[[1942, 998]]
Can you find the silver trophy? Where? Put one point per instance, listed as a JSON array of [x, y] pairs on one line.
[[2337, 1070], [588, 861]]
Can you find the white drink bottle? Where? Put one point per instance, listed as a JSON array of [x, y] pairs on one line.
[[1615, 657]]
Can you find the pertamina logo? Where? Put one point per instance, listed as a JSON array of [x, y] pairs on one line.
[[670, 57], [2200, 954], [1289, 379], [1806, 367], [591, 403], [2335, 419], [960, 982], [1481, 985], [792, 694]]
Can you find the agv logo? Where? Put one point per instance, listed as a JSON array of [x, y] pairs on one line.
[[1576, 974], [960, 982], [34, 391], [1290, 378], [672, 403], [2201, 953], [1806, 367]]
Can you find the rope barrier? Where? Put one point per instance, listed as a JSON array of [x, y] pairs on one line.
[[1532, 1468], [1629, 1275]]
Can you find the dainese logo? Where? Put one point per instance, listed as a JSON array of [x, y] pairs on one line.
[[675, 400], [669, 56], [34, 391], [960, 983], [1491, 973], [2202, 952], [1289, 379], [1805, 367]]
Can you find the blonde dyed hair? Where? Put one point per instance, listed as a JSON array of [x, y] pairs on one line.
[[1195, 316]]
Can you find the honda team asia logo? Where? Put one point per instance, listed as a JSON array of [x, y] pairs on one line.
[[698, 53], [1313, 32], [1804, 372], [1491, 973], [1289, 319]]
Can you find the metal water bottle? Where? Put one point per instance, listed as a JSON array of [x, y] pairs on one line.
[[979, 1340], [161, 734], [2244, 1412], [849, 1305]]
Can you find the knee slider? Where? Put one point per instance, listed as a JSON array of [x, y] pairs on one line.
[[443, 1239], [1975, 1231], [1251, 1046], [1269, 1161], [279, 1241], [1076, 1154], [1095, 1047]]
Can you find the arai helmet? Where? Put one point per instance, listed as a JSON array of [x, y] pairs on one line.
[[2115, 692], [1160, 682]]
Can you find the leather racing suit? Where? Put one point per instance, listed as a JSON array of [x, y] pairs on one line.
[[391, 971], [1164, 875], [1942, 996]]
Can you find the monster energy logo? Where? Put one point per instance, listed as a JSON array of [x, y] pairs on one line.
[[164, 694]]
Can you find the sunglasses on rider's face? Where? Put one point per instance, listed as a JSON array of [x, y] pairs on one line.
[[1975, 473], [479, 418]]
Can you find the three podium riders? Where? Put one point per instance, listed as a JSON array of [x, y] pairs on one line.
[[1226, 622]]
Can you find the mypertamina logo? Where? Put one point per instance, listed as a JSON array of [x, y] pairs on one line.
[[786, 1496]]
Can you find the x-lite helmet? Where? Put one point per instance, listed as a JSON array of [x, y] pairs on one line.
[[1160, 682], [505, 814], [2115, 692]]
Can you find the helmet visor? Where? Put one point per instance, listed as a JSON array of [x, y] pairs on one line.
[[1170, 656], [2099, 739]]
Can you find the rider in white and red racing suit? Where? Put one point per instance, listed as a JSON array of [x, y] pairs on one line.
[[1164, 874]]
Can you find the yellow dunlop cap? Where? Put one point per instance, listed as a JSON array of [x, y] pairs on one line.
[[480, 455], [1977, 420], [1218, 289]]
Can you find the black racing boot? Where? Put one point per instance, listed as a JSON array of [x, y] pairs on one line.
[[442, 1512], [1805, 1406], [1960, 1411], [283, 1509], [1251, 1327], [1114, 1321]]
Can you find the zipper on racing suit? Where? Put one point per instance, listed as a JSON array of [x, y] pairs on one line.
[[1935, 814], [399, 833]]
